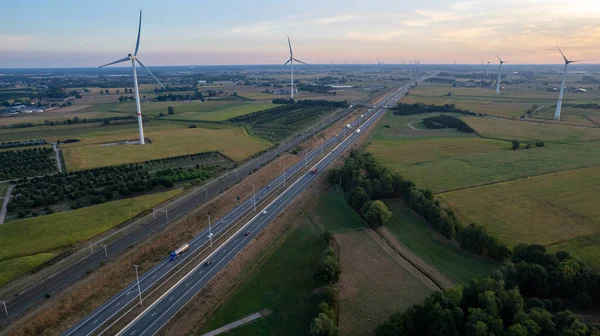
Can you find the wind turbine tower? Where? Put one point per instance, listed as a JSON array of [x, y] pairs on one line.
[[379, 63], [291, 61], [562, 86], [487, 70], [499, 74], [133, 58]]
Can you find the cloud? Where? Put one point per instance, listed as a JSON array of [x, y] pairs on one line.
[[9, 41], [429, 16], [465, 5], [382, 36], [333, 19]]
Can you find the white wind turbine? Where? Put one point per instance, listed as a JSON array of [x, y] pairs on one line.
[[562, 86], [379, 63], [291, 61], [133, 58], [499, 74]]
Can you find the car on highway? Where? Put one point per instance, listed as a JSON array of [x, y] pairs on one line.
[[208, 263], [246, 234], [264, 212]]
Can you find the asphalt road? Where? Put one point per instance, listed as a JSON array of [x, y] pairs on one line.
[[29, 297], [162, 270], [151, 320]]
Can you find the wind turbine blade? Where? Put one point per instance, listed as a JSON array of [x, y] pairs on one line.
[[137, 44], [563, 55], [499, 59], [290, 44], [115, 62], [299, 61], [150, 73], [288, 61]]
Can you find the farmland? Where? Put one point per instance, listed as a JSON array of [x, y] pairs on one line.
[[17, 267], [26, 162], [172, 140], [444, 160], [530, 131], [545, 209], [373, 284], [512, 102], [36, 235], [280, 122]]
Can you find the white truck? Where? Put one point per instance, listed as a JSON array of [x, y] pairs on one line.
[[357, 130], [348, 126]]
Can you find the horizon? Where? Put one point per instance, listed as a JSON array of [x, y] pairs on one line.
[[81, 35]]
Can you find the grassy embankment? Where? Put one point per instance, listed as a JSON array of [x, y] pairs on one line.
[[27, 243]]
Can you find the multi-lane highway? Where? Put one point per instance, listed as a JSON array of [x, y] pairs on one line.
[[153, 318], [82, 262]]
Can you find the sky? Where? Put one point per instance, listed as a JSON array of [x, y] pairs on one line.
[[74, 33]]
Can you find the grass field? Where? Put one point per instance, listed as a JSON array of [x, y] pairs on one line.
[[17, 267], [511, 103], [23, 148], [546, 209], [224, 113], [170, 140], [373, 285], [31, 236], [583, 247], [530, 131], [419, 236], [3, 189], [444, 164]]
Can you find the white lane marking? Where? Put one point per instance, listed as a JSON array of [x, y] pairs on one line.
[[95, 321]]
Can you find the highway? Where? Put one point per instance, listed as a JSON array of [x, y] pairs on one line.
[[156, 315], [160, 271], [81, 262]]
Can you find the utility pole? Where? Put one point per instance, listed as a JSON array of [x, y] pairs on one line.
[[105, 251], [254, 196], [138, 283], [284, 176], [209, 231], [305, 159], [91, 248], [5, 309]]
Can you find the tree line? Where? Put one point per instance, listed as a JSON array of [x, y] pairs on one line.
[[365, 183], [417, 108], [527, 296], [446, 121], [327, 273], [26, 162]]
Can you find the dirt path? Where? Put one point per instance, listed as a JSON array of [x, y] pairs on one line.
[[244, 320], [5, 203], [431, 273], [57, 152], [411, 126]]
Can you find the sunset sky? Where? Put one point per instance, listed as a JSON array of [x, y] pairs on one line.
[[88, 33]]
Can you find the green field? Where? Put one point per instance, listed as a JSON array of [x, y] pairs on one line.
[[530, 131], [583, 247], [31, 236], [222, 114], [444, 160], [17, 267], [545, 209], [419, 236], [166, 140], [511, 103]]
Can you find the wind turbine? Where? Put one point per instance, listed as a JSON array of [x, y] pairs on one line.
[[487, 70], [562, 86], [499, 74], [133, 58], [379, 66], [291, 61], [481, 67]]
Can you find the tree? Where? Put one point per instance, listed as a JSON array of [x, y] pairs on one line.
[[377, 214], [322, 325], [515, 144], [171, 110], [358, 198], [328, 268], [106, 91]]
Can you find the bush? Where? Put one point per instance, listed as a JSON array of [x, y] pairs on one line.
[[192, 126], [539, 143], [516, 144], [328, 268]]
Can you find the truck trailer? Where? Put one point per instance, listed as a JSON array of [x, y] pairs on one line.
[[179, 251]]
